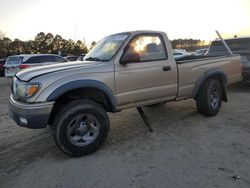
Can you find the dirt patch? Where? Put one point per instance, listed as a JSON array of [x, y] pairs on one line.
[[185, 149]]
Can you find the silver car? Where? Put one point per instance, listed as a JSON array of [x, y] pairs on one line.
[[18, 62]]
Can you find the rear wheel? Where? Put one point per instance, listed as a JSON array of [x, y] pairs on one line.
[[209, 98], [80, 127]]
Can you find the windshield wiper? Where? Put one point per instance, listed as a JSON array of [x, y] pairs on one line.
[[93, 59]]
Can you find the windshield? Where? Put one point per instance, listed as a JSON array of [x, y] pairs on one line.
[[106, 48], [14, 60]]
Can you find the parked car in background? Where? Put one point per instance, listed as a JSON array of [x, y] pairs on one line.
[[72, 58], [200, 52], [81, 57], [18, 62], [238, 46], [2, 62], [179, 53]]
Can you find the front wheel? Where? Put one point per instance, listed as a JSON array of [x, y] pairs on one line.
[[80, 127], [209, 98]]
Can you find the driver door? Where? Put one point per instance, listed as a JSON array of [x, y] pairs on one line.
[[146, 75]]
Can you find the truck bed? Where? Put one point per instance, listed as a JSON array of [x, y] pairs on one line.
[[192, 58], [191, 69]]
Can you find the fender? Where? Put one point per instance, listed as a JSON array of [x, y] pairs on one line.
[[209, 74], [84, 84]]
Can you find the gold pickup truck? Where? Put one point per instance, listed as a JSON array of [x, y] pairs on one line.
[[125, 70]]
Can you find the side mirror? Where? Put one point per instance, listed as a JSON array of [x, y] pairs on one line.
[[129, 58]]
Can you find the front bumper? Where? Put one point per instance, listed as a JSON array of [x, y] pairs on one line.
[[30, 115]]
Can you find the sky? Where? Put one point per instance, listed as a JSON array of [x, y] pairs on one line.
[[94, 19]]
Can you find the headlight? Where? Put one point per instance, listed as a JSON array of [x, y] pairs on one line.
[[25, 90]]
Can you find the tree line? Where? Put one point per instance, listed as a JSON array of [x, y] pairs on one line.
[[188, 44], [50, 44], [44, 44]]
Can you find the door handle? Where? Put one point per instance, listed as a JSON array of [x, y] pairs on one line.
[[166, 68]]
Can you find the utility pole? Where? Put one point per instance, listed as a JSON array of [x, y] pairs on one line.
[[84, 42], [2, 35], [75, 31]]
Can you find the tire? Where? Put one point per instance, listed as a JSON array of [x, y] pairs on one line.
[[209, 98], [80, 127]]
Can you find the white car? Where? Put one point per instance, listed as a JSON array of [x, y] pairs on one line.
[[179, 53], [18, 62], [200, 52]]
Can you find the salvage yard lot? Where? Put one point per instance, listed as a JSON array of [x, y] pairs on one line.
[[186, 149]]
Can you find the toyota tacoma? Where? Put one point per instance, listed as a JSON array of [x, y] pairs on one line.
[[124, 70]]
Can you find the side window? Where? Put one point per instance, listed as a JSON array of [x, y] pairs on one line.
[[239, 44], [58, 59], [148, 47], [178, 53], [46, 59], [36, 59]]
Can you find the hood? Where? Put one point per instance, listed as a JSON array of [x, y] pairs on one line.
[[30, 73]]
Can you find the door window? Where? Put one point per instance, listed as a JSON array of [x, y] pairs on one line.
[[145, 48], [58, 59], [40, 59]]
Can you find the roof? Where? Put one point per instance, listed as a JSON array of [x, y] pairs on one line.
[[139, 31], [218, 39]]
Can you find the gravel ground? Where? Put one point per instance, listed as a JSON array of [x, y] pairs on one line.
[[186, 149]]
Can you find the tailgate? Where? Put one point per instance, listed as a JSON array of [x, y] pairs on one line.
[[12, 65], [13, 62]]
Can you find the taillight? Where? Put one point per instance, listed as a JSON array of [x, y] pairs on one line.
[[23, 66]]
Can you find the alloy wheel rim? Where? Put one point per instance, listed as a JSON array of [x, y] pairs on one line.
[[214, 98], [83, 130]]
